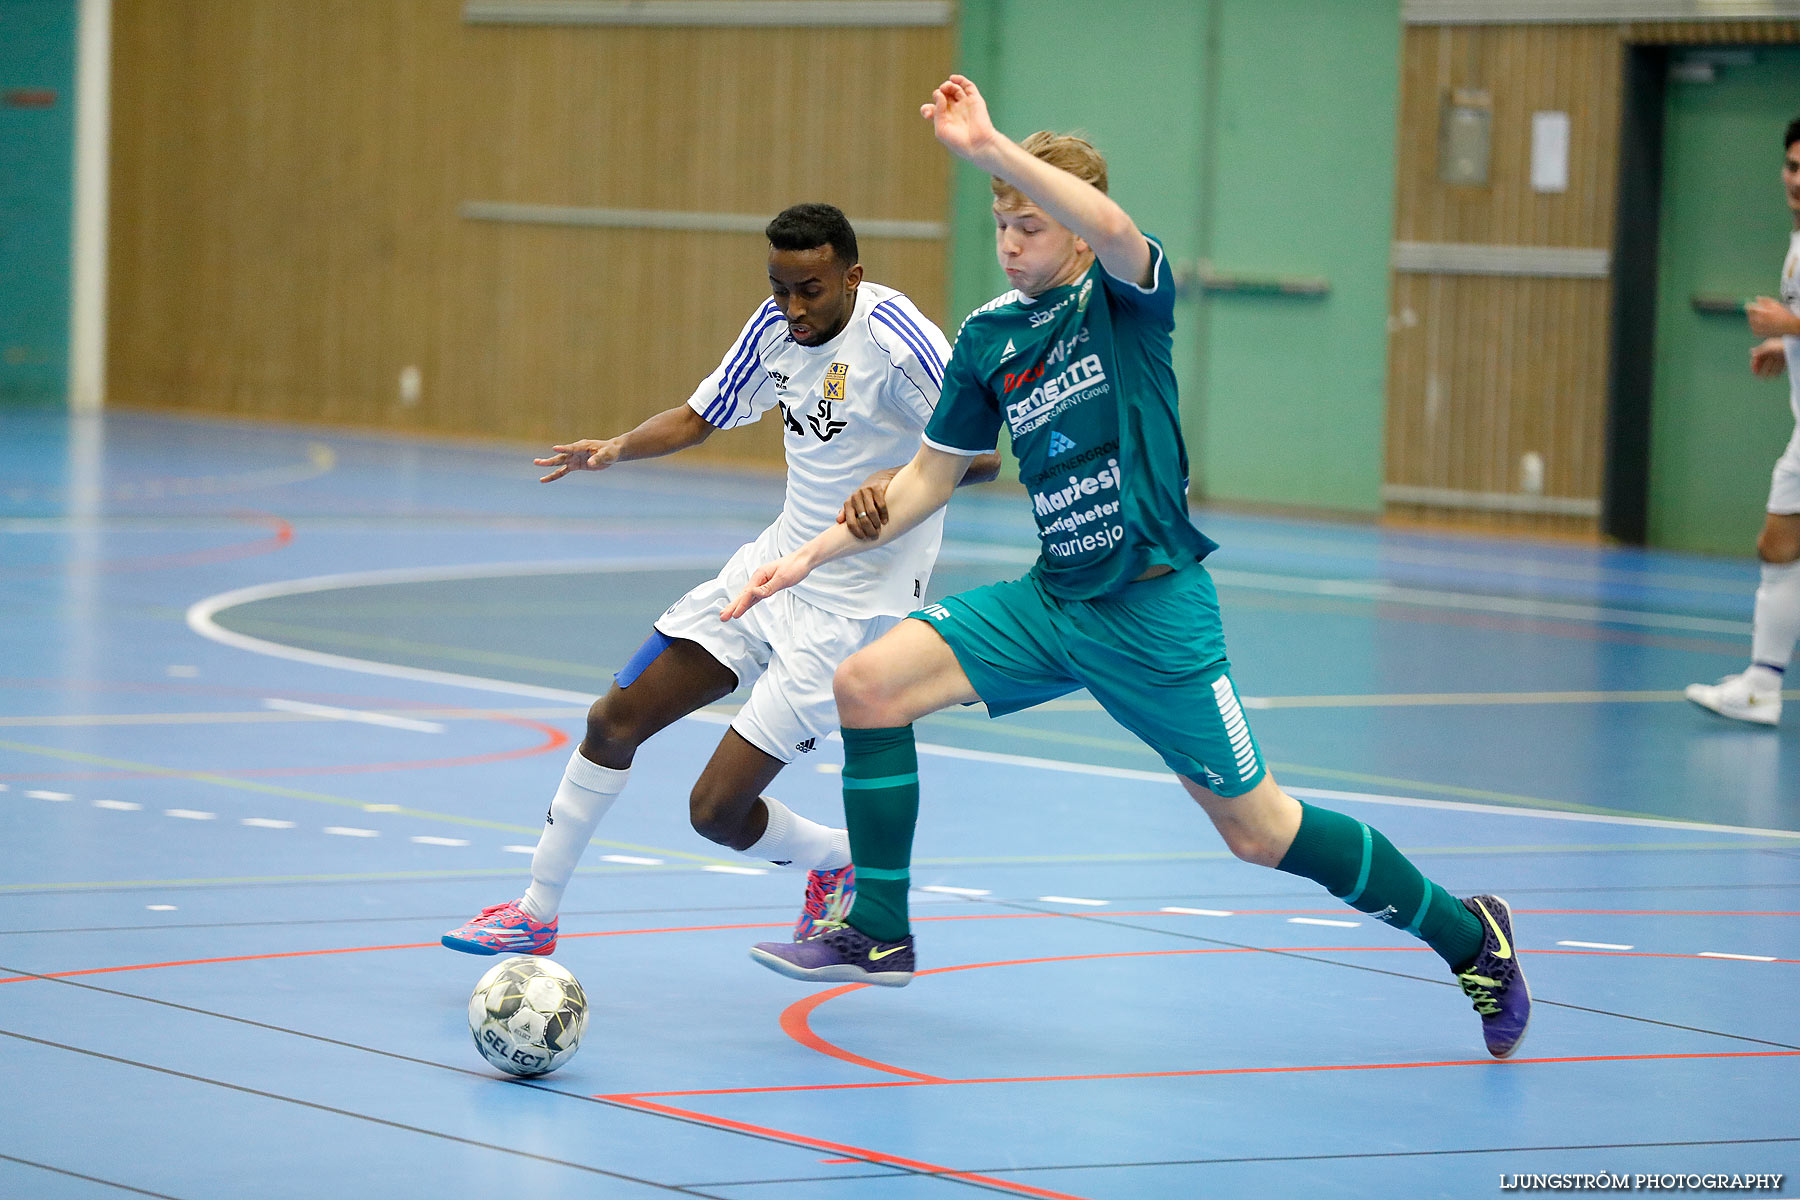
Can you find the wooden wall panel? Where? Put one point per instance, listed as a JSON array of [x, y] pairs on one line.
[[1483, 369], [286, 234], [1525, 69]]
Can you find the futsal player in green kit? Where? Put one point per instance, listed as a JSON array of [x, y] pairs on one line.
[[1075, 362]]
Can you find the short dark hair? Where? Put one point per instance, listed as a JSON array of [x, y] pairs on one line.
[[809, 226], [1793, 133]]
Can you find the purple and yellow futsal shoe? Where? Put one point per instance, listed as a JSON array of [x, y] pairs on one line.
[[1494, 980], [828, 897], [503, 929], [840, 953]]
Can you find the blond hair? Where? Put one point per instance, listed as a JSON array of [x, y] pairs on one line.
[[1065, 151]]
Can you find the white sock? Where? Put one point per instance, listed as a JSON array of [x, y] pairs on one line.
[[1777, 623], [587, 791], [793, 841]]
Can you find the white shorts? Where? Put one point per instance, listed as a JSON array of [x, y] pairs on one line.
[[1784, 485], [786, 648]]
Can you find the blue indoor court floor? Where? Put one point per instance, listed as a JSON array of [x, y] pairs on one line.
[[279, 706]]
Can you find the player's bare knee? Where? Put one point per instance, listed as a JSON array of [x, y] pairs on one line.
[[612, 738], [717, 813], [861, 696], [1254, 846]]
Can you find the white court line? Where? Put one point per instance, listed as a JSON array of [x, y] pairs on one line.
[[520, 849], [427, 840], [200, 619], [119, 805], [1739, 957], [189, 814], [1597, 945], [352, 714], [1364, 589], [348, 831], [58, 796], [1200, 912], [955, 891], [1323, 921], [160, 907], [266, 823], [722, 869], [1073, 900], [630, 860]]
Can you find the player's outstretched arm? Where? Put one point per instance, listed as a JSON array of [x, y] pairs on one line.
[[919, 489], [1769, 317], [865, 512], [959, 117], [667, 432]]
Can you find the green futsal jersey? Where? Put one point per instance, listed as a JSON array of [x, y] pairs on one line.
[[1081, 376]]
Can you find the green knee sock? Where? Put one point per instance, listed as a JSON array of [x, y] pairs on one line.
[[1361, 867], [881, 806]]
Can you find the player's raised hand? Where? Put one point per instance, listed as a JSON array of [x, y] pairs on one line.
[[1768, 358], [865, 512], [959, 117], [765, 581], [1771, 318], [585, 455]]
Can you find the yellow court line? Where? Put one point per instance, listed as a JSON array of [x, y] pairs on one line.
[[270, 789]]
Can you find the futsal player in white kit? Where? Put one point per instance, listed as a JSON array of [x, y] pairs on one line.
[[1754, 695], [855, 370]]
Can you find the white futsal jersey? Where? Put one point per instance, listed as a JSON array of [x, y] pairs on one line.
[[1790, 296], [853, 406]]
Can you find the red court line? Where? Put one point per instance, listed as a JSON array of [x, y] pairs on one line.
[[806, 1006], [1304, 1069], [796, 1019], [554, 739], [283, 534], [856, 1153]]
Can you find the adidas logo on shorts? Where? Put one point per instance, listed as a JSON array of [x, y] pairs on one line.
[[807, 746]]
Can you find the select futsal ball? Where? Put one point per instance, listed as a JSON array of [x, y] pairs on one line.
[[528, 1015]]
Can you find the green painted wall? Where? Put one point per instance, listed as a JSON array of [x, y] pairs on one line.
[[1233, 140], [1715, 430], [37, 177]]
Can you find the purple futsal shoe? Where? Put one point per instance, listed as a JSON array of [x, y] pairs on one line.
[[840, 953], [1494, 981]]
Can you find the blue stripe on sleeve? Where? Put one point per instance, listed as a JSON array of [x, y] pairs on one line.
[[739, 369], [935, 374], [924, 340]]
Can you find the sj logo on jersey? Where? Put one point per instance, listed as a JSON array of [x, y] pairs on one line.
[[823, 423]]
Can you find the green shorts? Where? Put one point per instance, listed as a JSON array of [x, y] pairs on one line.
[[1153, 655]]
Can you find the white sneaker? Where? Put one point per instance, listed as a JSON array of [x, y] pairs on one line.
[[1733, 697]]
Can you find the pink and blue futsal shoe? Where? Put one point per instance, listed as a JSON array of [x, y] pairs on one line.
[[1494, 981], [828, 897], [503, 929]]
